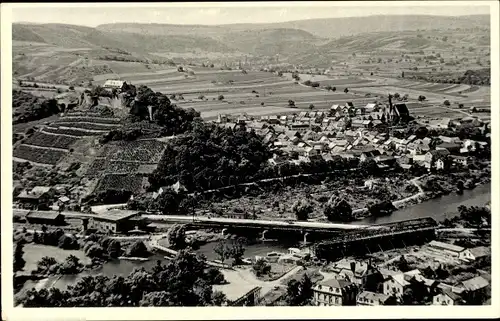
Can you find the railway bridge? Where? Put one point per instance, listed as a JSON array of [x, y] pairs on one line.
[[264, 227]]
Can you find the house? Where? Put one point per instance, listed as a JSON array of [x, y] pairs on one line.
[[395, 285], [451, 147], [300, 127], [479, 252], [114, 84], [369, 153], [45, 217], [462, 160], [447, 297], [371, 107], [115, 221], [363, 274], [475, 289], [273, 119], [433, 155], [37, 196], [367, 298], [357, 123], [334, 292], [440, 164]]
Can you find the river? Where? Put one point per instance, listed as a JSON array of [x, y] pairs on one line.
[[438, 208]]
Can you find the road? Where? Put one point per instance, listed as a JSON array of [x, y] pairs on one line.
[[245, 276], [264, 223]]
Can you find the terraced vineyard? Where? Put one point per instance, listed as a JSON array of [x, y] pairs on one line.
[[38, 155], [54, 141], [124, 166]]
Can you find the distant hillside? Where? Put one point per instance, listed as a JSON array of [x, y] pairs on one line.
[[71, 36], [270, 42], [391, 43], [325, 28]]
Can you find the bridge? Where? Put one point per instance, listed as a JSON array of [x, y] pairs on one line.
[[304, 226]]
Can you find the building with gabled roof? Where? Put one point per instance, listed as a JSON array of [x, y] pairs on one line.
[[334, 292]]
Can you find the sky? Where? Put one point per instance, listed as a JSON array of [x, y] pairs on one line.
[[216, 13]]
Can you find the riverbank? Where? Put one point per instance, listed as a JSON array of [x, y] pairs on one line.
[[424, 196]]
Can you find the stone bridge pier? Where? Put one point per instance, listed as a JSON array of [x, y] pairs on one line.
[[263, 235], [305, 237]]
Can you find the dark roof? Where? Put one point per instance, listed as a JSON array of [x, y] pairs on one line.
[[401, 109], [115, 215], [48, 215], [454, 296], [334, 283], [439, 152]]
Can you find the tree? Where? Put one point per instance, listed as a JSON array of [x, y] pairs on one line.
[[94, 250], [223, 251], [403, 264], [221, 97], [311, 106], [291, 103], [68, 243], [177, 236], [346, 90], [302, 209], [261, 267], [397, 96], [299, 293], [238, 250], [138, 249], [114, 248], [338, 209], [214, 276], [421, 98], [19, 261], [218, 298], [334, 89], [446, 103], [369, 167]]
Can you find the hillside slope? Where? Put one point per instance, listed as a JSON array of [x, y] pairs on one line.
[[270, 42], [71, 36], [325, 28]]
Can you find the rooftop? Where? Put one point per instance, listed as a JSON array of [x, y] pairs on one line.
[[334, 283], [115, 215], [372, 296], [51, 215], [446, 246], [476, 283]]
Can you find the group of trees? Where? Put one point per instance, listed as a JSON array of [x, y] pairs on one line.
[[19, 261], [49, 266], [57, 238], [475, 215], [210, 157], [234, 250], [102, 248], [181, 282], [27, 107], [299, 293], [338, 209], [302, 208], [261, 267]]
